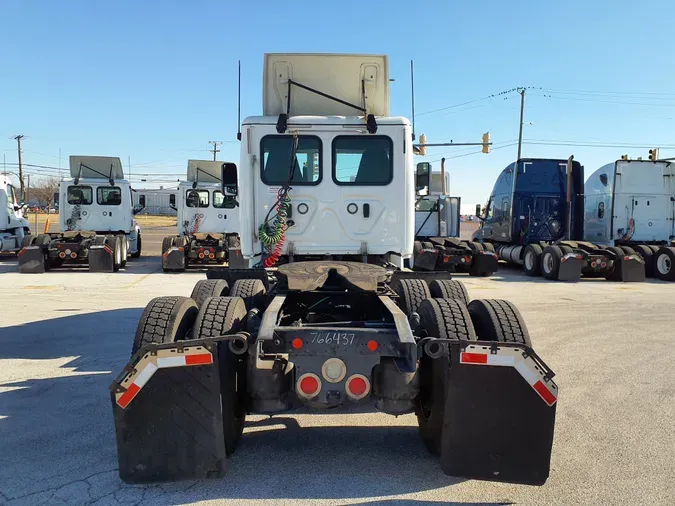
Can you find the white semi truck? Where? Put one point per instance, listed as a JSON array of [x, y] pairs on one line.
[[207, 220], [13, 226], [325, 316], [630, 207], [96, 221]]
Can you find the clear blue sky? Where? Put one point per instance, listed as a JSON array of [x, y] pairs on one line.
[[155, 81]]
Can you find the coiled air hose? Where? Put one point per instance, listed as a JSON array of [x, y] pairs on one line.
[[272, 233]]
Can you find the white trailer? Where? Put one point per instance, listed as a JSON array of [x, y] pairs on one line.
[[207, 220], [13, 226], [96, 221], [630, 205]]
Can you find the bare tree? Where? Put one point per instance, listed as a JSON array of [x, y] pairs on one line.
[[43, 191]]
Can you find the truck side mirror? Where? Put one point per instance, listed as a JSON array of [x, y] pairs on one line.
[[478, 213], [141, 201], [137, 209], [423, 176], [229, 179], [172, 201]]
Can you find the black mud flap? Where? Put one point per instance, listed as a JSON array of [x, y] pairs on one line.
[[571, 266], [32, 260], [168, 418], [484, 263], [426, 260], [174, 259], [629, 268], [499, 414], [101, 258]]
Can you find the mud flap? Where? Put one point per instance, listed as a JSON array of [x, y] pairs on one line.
[[484, 263], [101, 259], [32, 260], [499, 414], [570, 267], [174, 259], [426, 260], [629, 268], [168, 418]]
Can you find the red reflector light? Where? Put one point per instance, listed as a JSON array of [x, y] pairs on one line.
[[372, 345], [73, 255], [308, 385], [603, 264], [358, 386], [446, 259], [474, 358], [467, 260], [594, 264], [62, 255], [297, 343], [201, 254], [626, 258], [212, 256]]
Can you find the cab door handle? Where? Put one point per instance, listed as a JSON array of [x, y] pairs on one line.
[[366, 210]]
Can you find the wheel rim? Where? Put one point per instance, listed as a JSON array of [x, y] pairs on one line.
[[548, 262], [529, 260], [663, 264], [118, 253]]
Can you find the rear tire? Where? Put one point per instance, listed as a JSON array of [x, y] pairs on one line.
[[475, 246], [27, 240], [614, 275], [221, 316], [42, 240], [167, 242], [445, 319], [449, 289], [664, 263], [251, 290], [165, 320], [550, 262], [116, 246], [498, 320], [647, 255], [125, 252], [411, 293], [532, 260], [206, 288], [139, 246]]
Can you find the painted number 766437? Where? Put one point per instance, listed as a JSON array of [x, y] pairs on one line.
[[341, 338]]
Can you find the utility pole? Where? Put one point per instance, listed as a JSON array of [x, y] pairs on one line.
[[18, 142], [520, 130], [215, 148]]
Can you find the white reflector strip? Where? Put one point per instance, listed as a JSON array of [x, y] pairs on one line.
[[177, 361], [145, 374], [512, 357], [530, 376]]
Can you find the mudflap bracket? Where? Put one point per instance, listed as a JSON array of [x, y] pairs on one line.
[[499, 413], [168, 413]]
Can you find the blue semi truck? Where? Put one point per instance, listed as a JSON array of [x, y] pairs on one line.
[[535, 218]]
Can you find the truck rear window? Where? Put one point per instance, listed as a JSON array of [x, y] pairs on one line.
[[80, 195], [221, 201], [363, 160], [276, 160], [109, 196], [197, 198]]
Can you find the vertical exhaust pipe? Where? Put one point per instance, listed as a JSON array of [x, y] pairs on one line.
[[568, 224]]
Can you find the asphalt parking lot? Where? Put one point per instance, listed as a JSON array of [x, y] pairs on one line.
[[65, 335]]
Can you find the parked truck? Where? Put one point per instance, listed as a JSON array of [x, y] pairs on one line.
[[326, 172], [630, 207], [96, 221], [535, 218], [207, 220], [13, 226], [437, 243]]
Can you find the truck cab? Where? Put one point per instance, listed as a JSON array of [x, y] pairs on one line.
[[528, 203], [13, 226], [349, 178], [630, 202]]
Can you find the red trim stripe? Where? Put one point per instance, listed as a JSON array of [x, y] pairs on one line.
[[205, 358], [129, 395], [545, 393], [474, 358]]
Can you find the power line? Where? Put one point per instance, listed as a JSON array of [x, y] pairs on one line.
[[604, 101]]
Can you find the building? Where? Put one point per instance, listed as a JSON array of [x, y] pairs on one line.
[[156, 200]]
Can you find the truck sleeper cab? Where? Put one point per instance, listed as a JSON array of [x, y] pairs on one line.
[[526, 219], [96, 221], [630, 205]]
